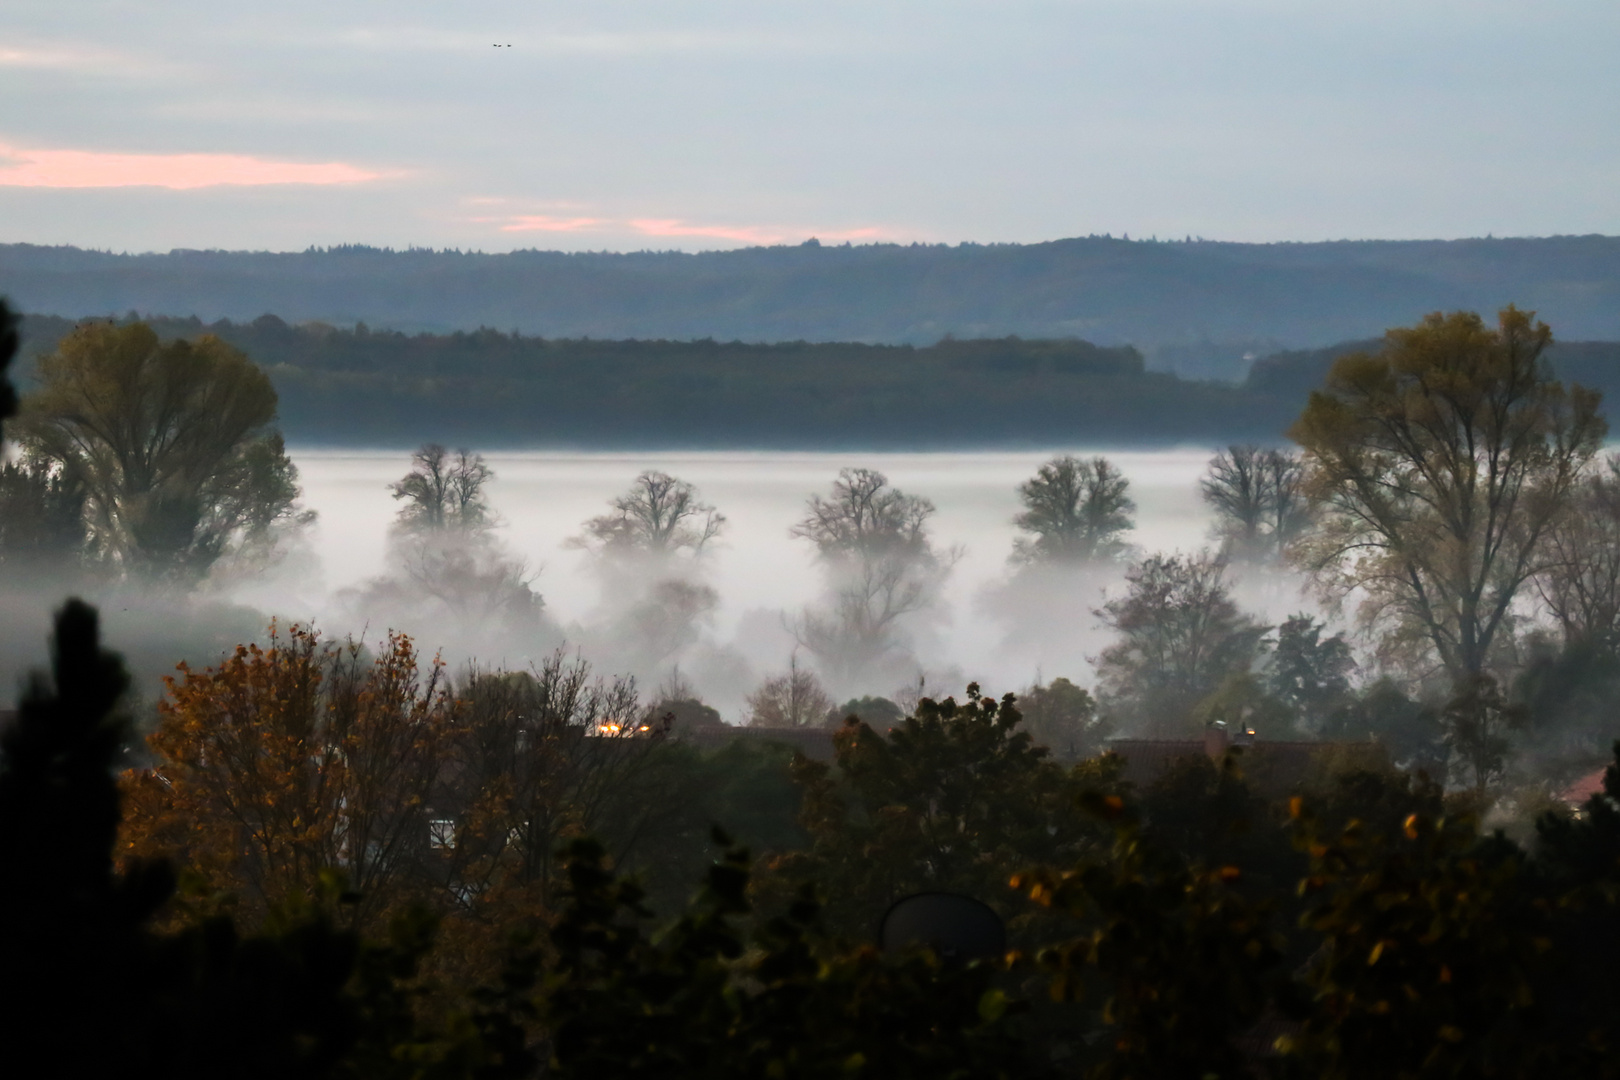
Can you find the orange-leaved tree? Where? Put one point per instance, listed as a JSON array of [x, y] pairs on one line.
[[295, 766]]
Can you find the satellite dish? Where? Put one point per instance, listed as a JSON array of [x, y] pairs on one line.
[[957, 928]]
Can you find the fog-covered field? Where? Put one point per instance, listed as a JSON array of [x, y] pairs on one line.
[[763, 575], [543, 499]]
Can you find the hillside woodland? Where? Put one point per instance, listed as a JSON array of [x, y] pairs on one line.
[[361, 387], [1192, 305]]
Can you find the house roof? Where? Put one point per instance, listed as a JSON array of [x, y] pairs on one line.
[[1583, 789]]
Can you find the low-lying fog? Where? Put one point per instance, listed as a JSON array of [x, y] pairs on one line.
[[763, 575]]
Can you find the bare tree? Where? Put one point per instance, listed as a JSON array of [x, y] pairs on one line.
[[655, 601], [449, 570], [881, 566], [659, 516], [1076, 511], [796, 699], [444, 491], [1260, 507]]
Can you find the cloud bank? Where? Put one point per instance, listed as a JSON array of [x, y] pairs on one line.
[[35, 168]]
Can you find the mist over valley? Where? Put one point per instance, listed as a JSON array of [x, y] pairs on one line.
[[763, 576]]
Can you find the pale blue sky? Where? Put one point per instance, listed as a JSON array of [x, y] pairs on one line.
[[710, 123]]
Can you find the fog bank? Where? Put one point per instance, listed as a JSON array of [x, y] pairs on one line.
[[1004, 638]]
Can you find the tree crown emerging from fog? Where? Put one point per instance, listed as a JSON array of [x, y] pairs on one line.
[[881, 565], [1438, 466], [1260, 509], [444, 492], [1076, 511], [865, 517], [659, 516]]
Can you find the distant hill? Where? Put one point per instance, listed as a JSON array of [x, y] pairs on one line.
[[1195, 307], [487, 389]]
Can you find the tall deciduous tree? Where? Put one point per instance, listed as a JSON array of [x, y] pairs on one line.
[[1259, 507], [647, 551], [444, 491], [1438, 465], [1180, 636], [447, 559], [881, 565], [659, 516], [172, 441], [1075, 512]]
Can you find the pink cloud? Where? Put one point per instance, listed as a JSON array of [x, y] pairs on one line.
[[544, 223], [91, 169]]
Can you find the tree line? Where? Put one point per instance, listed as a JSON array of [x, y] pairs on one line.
[[368, 387], [365, 387]]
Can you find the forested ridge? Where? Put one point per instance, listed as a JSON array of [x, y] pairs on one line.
[[1198, 305], [357, 386]]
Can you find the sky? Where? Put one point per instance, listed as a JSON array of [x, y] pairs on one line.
[[702, 124]]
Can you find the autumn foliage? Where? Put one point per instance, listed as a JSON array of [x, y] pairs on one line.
[[289, 764]]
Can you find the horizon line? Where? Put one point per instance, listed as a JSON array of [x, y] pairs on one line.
[[811, 244]]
